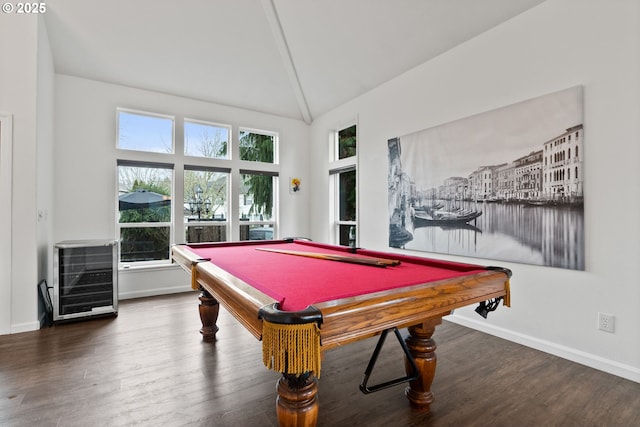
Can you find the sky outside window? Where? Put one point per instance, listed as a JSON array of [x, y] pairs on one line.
[[206, 140], [145, 133]]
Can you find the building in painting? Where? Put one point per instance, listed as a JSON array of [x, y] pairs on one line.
[[481, 183], [562, 166], [505, 186], [527, 175]]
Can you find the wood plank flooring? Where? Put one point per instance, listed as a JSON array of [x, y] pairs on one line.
[[149, 367]]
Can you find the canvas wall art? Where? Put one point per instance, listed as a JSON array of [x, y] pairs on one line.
[[507, 184]]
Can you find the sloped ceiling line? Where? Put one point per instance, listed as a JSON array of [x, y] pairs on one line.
[[285, 53]]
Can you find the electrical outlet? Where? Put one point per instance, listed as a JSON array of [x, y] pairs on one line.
[[606, 322]]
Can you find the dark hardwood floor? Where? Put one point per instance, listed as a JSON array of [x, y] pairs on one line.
[[149, 367]]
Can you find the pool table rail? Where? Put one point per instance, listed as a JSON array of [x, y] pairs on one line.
[[355, 318]]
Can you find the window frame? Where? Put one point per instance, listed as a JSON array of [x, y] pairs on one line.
[[273, 222], [124, 225], [180, 162], [336, 167], [226, 222]]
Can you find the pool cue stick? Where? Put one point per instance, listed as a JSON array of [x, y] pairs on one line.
[[375, 262]]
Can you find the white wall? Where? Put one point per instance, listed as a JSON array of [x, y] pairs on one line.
[[557, 45], [23, 80], [45, 149], [85, 166]]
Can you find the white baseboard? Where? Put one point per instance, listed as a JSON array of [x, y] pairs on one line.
[[34, 326], [25, 327], [610, 366]]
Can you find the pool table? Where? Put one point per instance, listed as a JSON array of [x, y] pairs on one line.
[[302, 298]]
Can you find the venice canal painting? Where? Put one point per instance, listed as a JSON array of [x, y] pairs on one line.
[[504, 185]]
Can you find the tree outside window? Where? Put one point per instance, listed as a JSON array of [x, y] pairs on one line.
[[257, 188], [256, 197], [257, 147], [347, 207], [347, 142], [342, 173], [203, 139]]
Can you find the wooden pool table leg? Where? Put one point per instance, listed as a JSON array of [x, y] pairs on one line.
[[423, 349], [209, 308], [297, 402]]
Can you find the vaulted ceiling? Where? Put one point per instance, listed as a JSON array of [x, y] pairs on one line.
[[292, 58]]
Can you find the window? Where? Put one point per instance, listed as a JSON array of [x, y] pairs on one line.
[[347, 142], [207, 162], [257, 205], [257, 198], [206, 208], [347, 208], [256, 146], [343, 178], [203, 139], [145, 132], [144, 211]]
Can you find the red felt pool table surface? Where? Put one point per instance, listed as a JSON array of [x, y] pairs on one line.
[[298, 282]]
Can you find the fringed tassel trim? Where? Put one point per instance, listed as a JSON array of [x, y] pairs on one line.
[[194, 277], [291, 349], [507, 296]]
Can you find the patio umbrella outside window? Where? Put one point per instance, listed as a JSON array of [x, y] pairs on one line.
[[142, 242], [144, 202]]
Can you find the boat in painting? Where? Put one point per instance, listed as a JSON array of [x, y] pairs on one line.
[[444, 217]]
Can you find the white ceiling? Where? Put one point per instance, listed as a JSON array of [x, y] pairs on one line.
[[292, 58]]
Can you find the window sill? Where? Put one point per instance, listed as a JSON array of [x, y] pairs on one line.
[[148, 267]]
